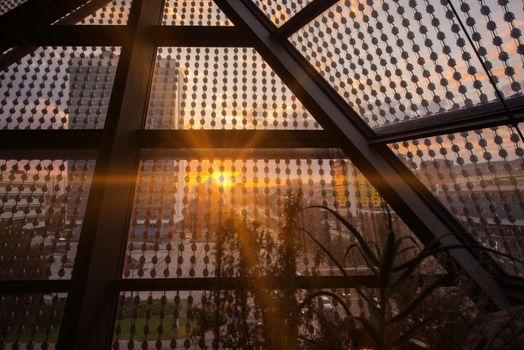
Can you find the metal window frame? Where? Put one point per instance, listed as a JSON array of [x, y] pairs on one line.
[[96, 282]]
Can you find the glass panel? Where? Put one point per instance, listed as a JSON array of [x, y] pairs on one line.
[[497, 32], [279, 12], [30, 321], [42, 206], [395, 61], [186, 208], [115, 12], [221, 88], [479, 176], [193, 13], [8, 5], [58, 88]]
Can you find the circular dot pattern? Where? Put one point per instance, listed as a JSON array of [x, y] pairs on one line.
[[395, 61], [42, 205], [279, 12], [193, 13], [115, 12], [221, 88], [58, 88], [479, 176], [180, 206]]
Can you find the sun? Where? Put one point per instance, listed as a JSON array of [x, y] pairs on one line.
[[225, 179]]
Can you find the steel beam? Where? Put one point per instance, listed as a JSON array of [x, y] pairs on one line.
[[88, 8], [243, 139], [113, 35], [299, 282], [14, 55], [472, 118], [70, 35], [303, 17], [208, 36], [241, 154], [49, 139], [34, 287], [90, 309], [411, 200], [18, 52], [34, 14], [48, 153]]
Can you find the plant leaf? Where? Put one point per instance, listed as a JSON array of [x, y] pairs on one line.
[[401, 342], [340, 267], [387, 261], [445, 249], [403, 250], [349, 250], [418, 300], [371, 256]]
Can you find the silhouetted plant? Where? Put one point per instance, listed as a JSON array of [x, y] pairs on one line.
[[401, 312], [391, 323]]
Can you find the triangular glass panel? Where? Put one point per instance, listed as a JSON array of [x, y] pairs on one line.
[[388, 71], [221, 88], [193, 13], [279, 12], [497, 33], [57, 87], [115, 12], [479, 176], [41, 214]]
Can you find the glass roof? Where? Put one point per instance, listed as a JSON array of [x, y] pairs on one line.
[[152, 107], [479, 176], [404, 60], [193, 13], [279, 12]]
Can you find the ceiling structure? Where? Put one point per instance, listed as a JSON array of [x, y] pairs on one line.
[[420, 102]]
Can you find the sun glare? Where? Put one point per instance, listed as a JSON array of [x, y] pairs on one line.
[[225, 179]]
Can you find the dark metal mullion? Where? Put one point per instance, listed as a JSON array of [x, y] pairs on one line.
[[412, 201], [14, 55], [244, 139], [71, 35], [84, 11], [488, 72], [116, 35], [34, 14], [199, 36], [303, 17], [35, 286], [50, 139], [441, 125], [49, 153], [89, 314], [18, 52], [37, 12], [301, 282], [242, 153]]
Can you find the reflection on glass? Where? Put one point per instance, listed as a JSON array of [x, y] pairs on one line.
[[31, 321], [479, 176], [401, 60], [181, 205], [193, 13], [42, 205], [58, 88], [221, 88]]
